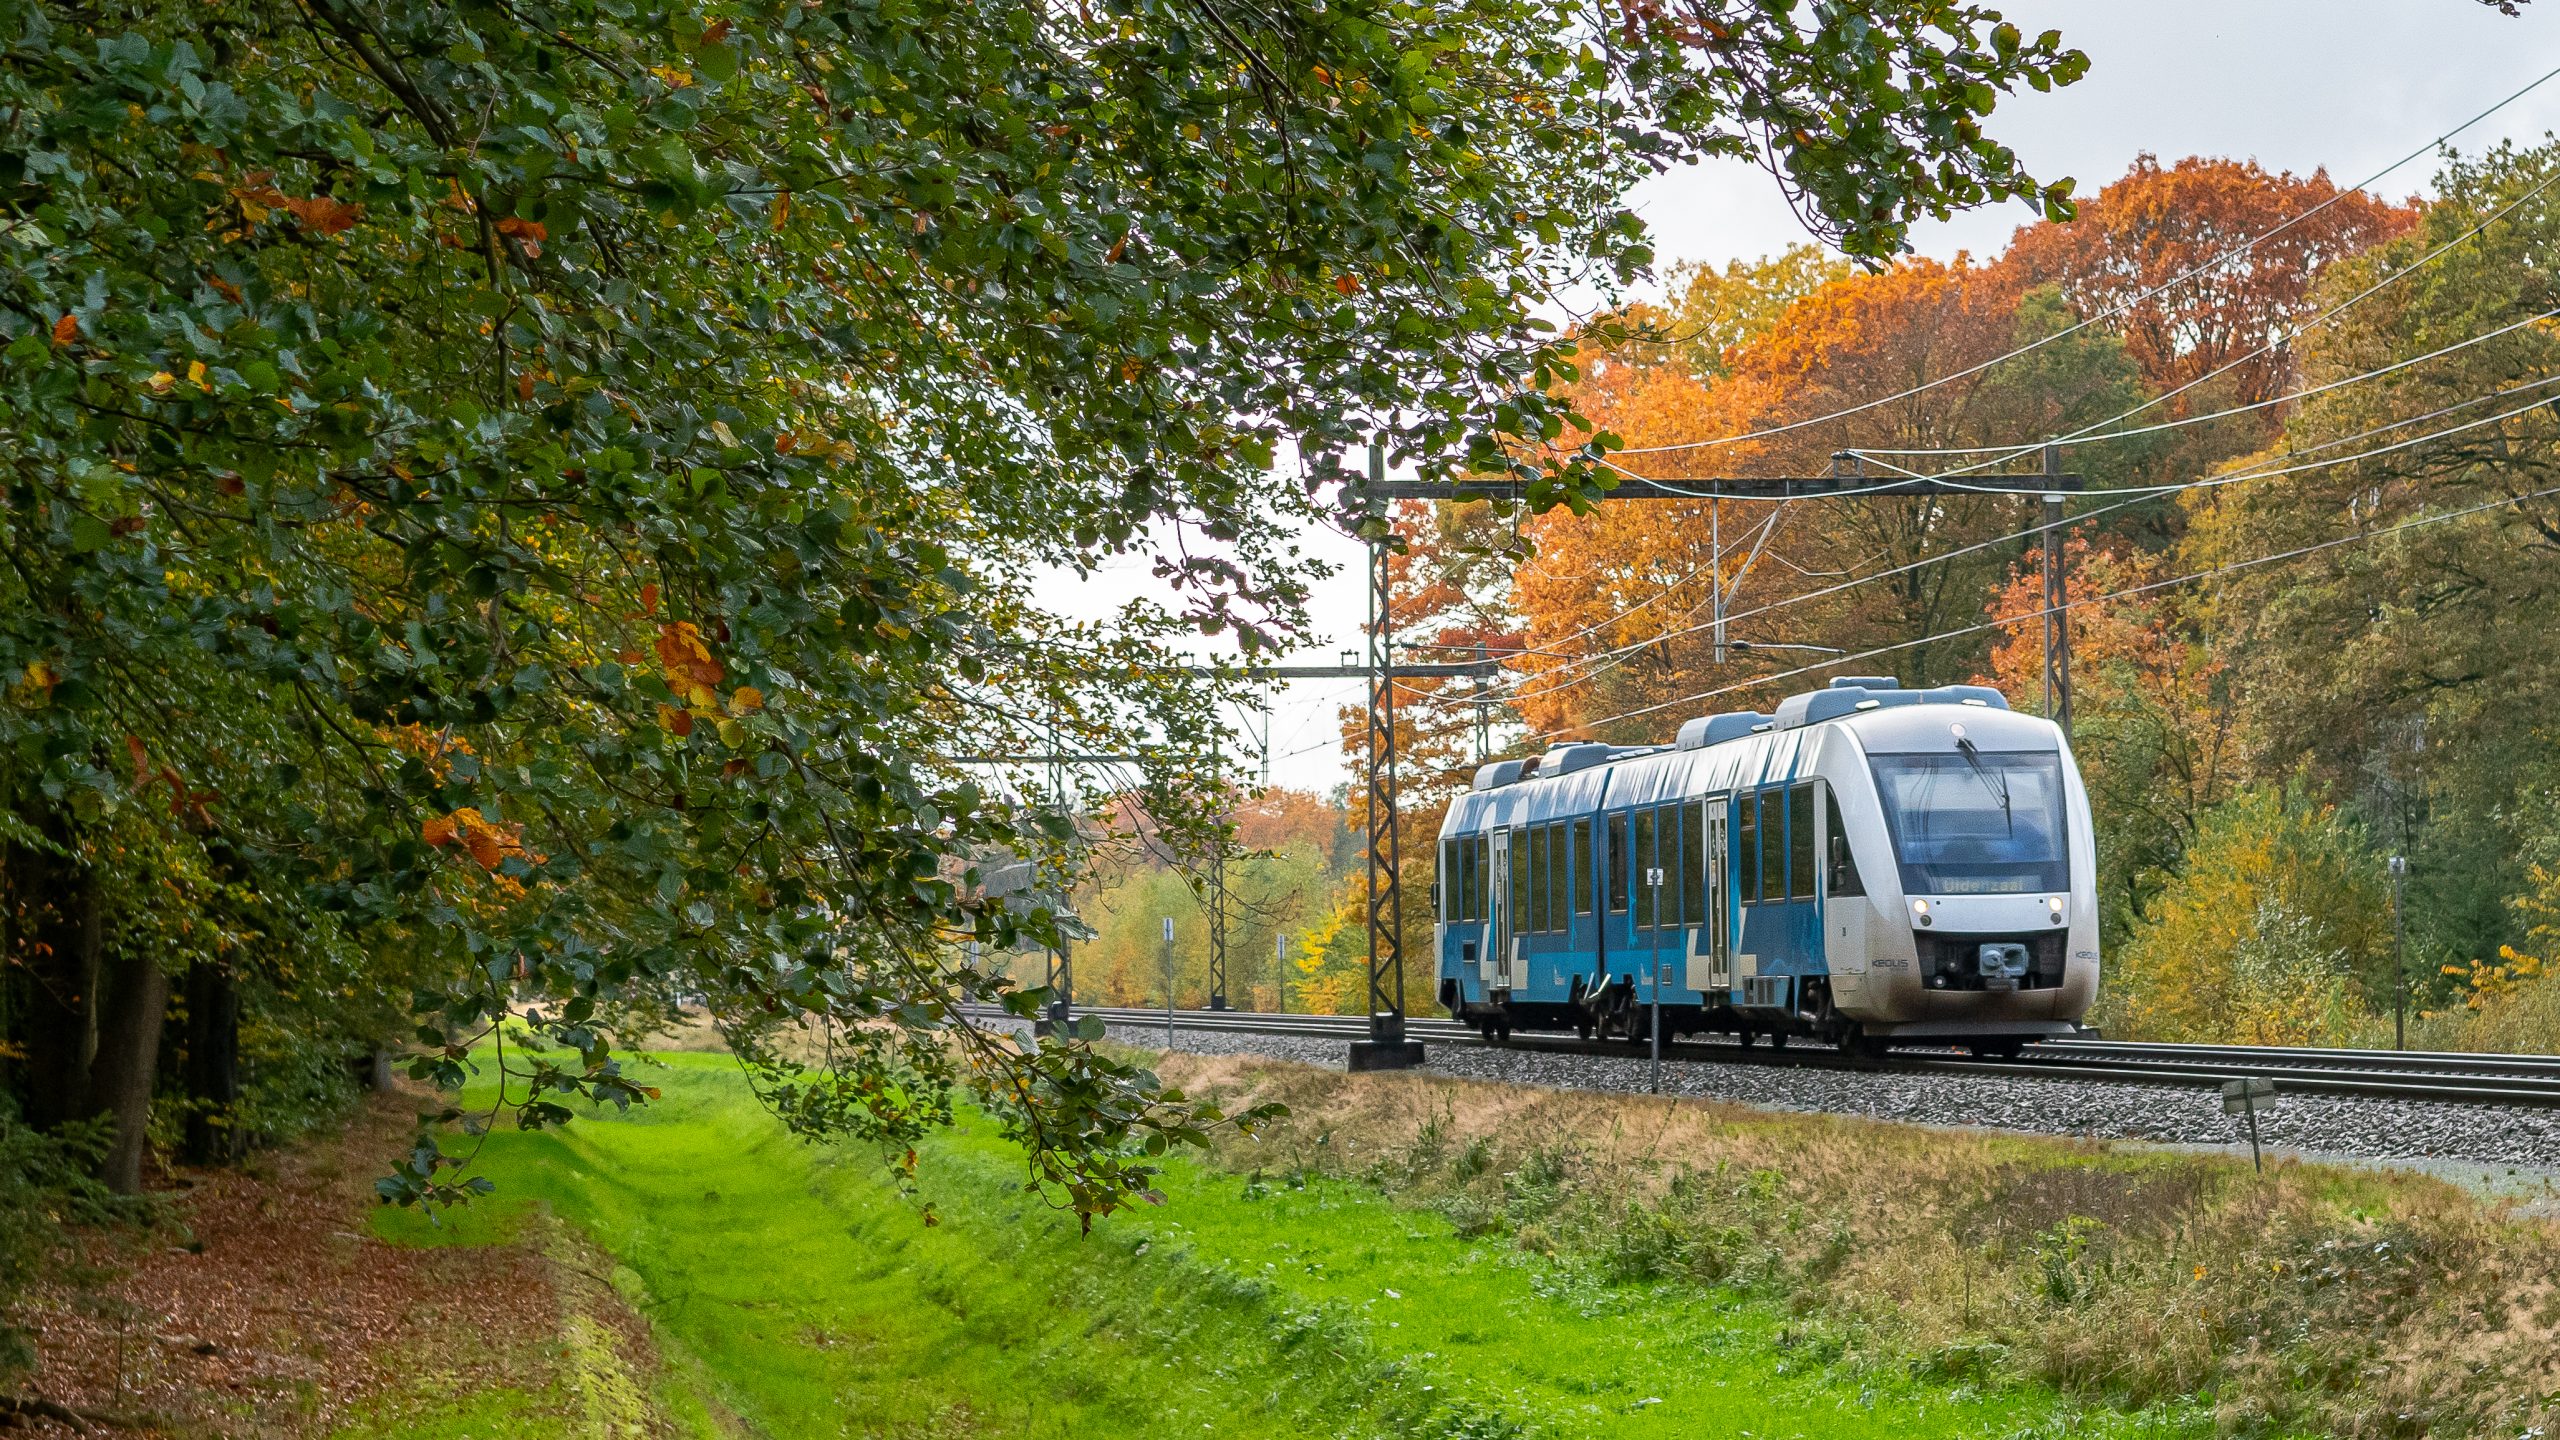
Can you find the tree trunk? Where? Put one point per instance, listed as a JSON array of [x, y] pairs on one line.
[[59, 937], [137, 1000], [213, 1063]]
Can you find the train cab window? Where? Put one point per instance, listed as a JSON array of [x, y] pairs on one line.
[[1841, 867], [1581, 867], [1773, 845], [1800, 850], [1639, 864], [1693, 861], [1444, 893], [1746, 824], [1615, 881]]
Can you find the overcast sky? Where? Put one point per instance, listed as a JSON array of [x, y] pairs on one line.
[[2349, 85]]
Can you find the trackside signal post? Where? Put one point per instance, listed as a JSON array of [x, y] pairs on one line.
[[1366, 501]]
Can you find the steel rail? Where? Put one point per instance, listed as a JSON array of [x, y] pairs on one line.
[[2435, 1077]]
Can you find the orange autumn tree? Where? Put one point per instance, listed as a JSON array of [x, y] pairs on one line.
[[2159, 223], [1615, 607]]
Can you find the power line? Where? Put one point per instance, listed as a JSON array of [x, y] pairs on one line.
[[2118, 309], [2028, 615], [2183, 421], [2272, 342], [2135, 494]]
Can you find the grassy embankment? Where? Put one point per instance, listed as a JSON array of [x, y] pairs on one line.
[[793, 1293], [1413, 1256]]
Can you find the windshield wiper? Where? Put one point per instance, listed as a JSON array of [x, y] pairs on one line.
[[1999, 788]]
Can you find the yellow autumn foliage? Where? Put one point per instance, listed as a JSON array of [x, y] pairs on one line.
[[2266, 935], [2511, 1004]]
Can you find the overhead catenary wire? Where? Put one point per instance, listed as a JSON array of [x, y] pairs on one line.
[[2082, 434], [2133, 495], [2120, 308], [2085, 435], [2001, 455], [2186, 420], [2025, 616]]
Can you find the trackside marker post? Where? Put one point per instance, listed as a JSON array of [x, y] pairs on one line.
[[1653, 975], [2243, 1097]]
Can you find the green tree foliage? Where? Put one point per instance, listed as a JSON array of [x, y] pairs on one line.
[[1714, 311], [546, 482], [47, 1188], [2276, 929], [2400, 672]]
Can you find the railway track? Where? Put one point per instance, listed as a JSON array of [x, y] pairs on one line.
[[2433, 1077]]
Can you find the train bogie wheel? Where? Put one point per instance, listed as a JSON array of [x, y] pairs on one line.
[[1777, 1039]]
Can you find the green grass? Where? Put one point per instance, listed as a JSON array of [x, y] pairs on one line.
[[792, 1288]]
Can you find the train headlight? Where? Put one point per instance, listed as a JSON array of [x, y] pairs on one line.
[[2053, 907], [1919, 907]]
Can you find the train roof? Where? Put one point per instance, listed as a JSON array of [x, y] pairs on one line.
[[1844, 698]]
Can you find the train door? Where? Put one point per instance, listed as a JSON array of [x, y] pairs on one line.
[[1670, 932], [1844, 911], [1717, 938], [1618, 935], [1582, 927], [1498, 959]]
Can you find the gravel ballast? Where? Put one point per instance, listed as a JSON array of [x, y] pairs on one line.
[[2317, 1126]]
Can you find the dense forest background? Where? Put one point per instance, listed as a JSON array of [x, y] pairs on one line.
[[2311, 632]]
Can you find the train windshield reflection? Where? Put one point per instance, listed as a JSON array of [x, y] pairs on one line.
[[1988, 823]]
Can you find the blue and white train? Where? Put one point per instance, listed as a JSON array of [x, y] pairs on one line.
[[1867, 866]]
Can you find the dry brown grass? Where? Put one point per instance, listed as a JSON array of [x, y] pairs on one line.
[[2316, 1299]]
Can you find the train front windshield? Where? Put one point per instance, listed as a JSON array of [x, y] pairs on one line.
[[1985, 824]]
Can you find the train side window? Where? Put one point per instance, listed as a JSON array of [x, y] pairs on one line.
[[1640, 862], [1617, 876], [1746, 865], [1773, 845], [1675, 903], [1581, 867], [1559, 862], [1552, 852], [1693, 861], [1843, 867], [1559, 877], [1800, 852], [1560, 890], [1455, 881], [1532, 918], [1484, 877], [1539, 869]]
